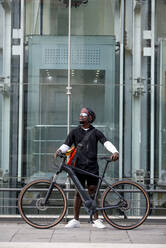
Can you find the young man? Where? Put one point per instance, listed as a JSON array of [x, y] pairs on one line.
[[87, 160]]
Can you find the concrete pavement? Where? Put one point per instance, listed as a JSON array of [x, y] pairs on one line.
[[21, 235]]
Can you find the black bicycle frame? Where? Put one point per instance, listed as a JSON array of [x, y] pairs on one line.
[[87, 200], [89, 203]]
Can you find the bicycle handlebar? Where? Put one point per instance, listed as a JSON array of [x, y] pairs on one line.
[[61, 155], [107, 158]]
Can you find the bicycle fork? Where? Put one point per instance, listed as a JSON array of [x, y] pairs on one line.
[[45, 200]]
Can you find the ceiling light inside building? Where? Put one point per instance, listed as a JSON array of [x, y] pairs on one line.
[[73, 73]]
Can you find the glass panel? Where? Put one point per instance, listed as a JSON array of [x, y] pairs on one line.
[[89, 88], [92, 81], [162, 117], [94, 84], [51, 17], [161, 33], [94, 18], [46, 92], [47, 128], [33, 16], [158, 199], [160, 18], [1, 171], [55, 17], [1, 66]]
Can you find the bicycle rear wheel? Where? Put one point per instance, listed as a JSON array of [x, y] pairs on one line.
[[132, 212], [34, 212]]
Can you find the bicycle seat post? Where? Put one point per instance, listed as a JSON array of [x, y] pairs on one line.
[[105, 168]]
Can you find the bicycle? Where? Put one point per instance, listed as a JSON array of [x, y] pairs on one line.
[[124, 204]]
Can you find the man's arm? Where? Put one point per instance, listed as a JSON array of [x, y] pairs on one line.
[[62, 149], [108, 145], [111, 148]]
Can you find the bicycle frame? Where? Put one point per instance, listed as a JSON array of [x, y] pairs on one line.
[[89, 203]]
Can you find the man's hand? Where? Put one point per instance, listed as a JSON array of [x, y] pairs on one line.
[[56, 153], [115, 156]]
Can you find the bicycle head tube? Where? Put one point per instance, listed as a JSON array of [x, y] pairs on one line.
[[63, 156]]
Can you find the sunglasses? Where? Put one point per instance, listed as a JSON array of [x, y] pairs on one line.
[[84, 114]]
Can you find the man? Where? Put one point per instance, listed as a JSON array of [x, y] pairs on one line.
[[87, 160]]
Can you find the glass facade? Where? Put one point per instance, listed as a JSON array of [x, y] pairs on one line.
[[108, 55], [92, 78]]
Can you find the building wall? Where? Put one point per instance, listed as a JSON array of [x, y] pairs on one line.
[[120, 93]]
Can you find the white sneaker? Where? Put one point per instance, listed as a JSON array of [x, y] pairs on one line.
[[98, 223], [73, 224]]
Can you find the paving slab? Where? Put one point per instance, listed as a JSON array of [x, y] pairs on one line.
[[77, 245], [24, 236]]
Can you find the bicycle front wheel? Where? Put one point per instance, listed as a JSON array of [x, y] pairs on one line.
[[32, 210], [131, 211]]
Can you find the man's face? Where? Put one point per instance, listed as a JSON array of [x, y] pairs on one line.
[[83, 115]]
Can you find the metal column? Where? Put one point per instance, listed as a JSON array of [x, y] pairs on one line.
[[67, 183], [152, 91], [6, 85], [136, 88], [69, 69], [121, 89], [19, 50]]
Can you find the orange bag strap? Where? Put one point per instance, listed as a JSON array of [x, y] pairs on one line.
[[71, 159]]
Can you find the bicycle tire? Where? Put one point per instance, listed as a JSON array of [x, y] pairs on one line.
[[137, 205], [33, 212]]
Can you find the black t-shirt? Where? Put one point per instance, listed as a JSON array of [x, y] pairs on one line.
[[87, 156]]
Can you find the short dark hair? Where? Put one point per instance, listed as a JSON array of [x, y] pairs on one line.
[[92, 114]]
